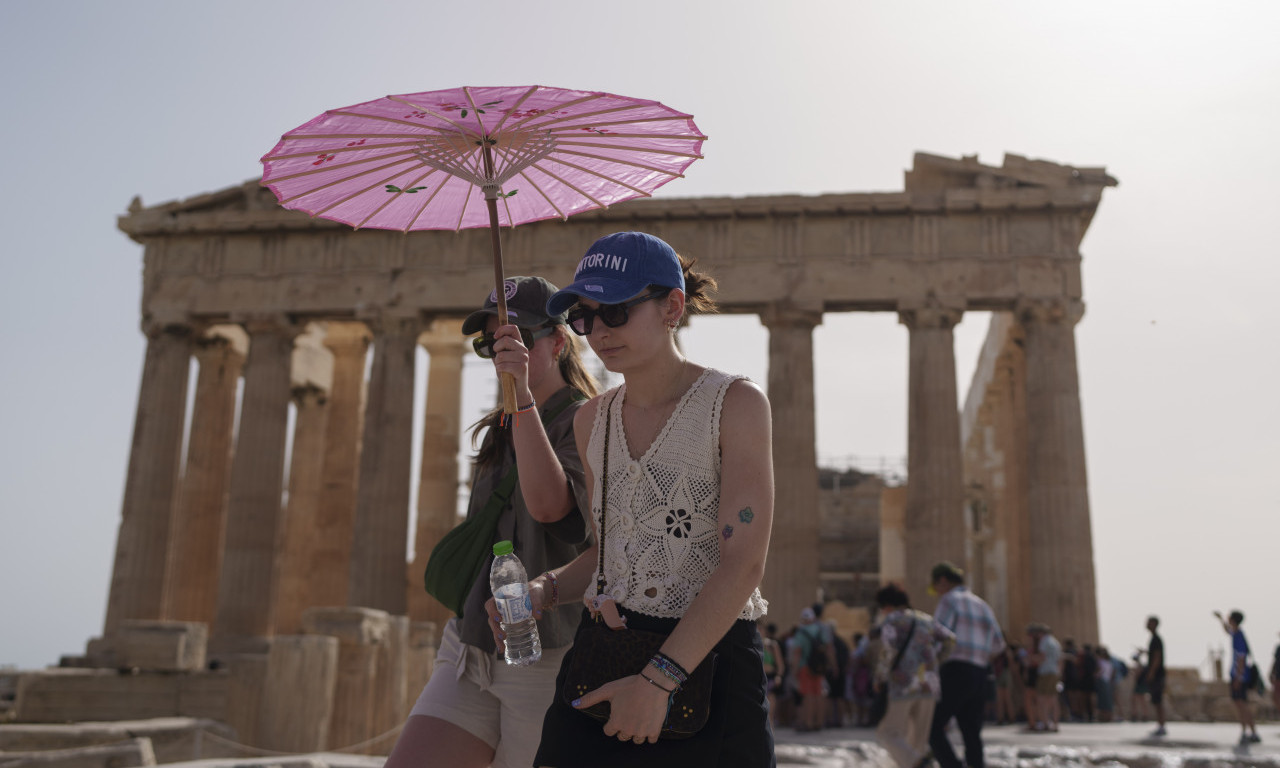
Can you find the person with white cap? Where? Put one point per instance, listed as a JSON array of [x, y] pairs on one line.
[[689, 508]]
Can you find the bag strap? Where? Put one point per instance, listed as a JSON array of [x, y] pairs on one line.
[[905, 643], [604, 493]]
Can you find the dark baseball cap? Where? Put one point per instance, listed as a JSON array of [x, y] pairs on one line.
[[947, 570], [526, 305]]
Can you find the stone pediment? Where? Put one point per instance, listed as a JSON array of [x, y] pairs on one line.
[[247, 196], [935, 173], [934, 185], [244, 206]]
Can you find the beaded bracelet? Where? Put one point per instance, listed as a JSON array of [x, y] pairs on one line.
[[683, 672], [555, 590], [667, 666], [667, 673], [654, 683], [514, 417]]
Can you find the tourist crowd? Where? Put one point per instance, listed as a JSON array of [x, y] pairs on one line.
[[819, 679]]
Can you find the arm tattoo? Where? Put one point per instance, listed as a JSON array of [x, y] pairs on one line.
[[746, 515], [727, 532]]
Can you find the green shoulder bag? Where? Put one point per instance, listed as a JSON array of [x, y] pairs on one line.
[[457, 560]]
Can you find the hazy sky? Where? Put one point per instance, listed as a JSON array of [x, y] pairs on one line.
[[1178, 363]]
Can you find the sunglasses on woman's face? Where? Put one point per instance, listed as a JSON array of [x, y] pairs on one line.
[[582, 320], [483, 344]]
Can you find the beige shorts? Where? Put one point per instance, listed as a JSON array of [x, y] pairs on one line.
[[501, 705], [1047, 685]]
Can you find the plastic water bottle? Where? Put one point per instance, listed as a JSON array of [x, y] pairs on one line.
[[510, 585]]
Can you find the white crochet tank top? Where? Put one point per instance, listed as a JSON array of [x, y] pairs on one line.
[[661, 541]]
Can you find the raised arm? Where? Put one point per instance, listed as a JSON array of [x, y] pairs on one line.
[[575, 577], [543, 481], [571, 579]]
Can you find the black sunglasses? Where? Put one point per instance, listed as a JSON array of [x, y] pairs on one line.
[[582, 320], [483, 344]]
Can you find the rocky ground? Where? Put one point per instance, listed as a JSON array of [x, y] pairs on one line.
[[1188, 745], [1113, 745]]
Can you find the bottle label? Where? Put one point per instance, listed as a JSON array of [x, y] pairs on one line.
[[514, 603]]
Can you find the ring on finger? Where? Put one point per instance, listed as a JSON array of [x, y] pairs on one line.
[[623, 738], [639, 739]]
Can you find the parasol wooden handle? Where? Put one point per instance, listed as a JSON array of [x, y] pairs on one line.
[[491, 194], [508, 393]]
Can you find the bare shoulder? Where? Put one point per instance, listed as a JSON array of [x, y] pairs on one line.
[[745, 421], [745, 400], [586, 414]]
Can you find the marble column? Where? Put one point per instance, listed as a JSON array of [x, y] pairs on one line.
[[438, 484], [138, 576], [935, 478], [893, 538], [1059, 529], [195, 552], [791, 573], [336, 510], [293, 563], [247, 591], [381, 536], [1009, 427]]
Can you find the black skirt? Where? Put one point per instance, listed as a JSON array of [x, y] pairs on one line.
[[736, 734]]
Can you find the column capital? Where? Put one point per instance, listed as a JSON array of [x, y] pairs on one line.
[[931, 313], [308, 394], [275, 323], [385, 322], [787, 314], [224, 335], [211, 348], [444, 336], [346, 337], [154, 326], [1055, 310]]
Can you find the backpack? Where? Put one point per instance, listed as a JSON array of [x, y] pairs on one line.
[[815, 657]]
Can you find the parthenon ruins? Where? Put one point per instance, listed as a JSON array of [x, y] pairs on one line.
[[276, 307]]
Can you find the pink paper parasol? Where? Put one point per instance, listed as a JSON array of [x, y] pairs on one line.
[[475, 157]]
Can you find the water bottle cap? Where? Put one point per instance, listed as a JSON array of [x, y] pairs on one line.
[[503, 548]]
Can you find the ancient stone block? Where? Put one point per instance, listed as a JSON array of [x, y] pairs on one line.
[[361, 632], [421, 659], [245, 683], [392, 678], [62, 695], [297, 698], [161, 645], [173, 739], [126, 754]]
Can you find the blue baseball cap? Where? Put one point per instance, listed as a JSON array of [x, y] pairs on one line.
[[619, 267]]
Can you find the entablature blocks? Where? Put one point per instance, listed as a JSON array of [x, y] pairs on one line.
[[990, 246]]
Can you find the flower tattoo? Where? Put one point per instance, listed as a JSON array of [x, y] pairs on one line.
[[746, 515], [727, 532]]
